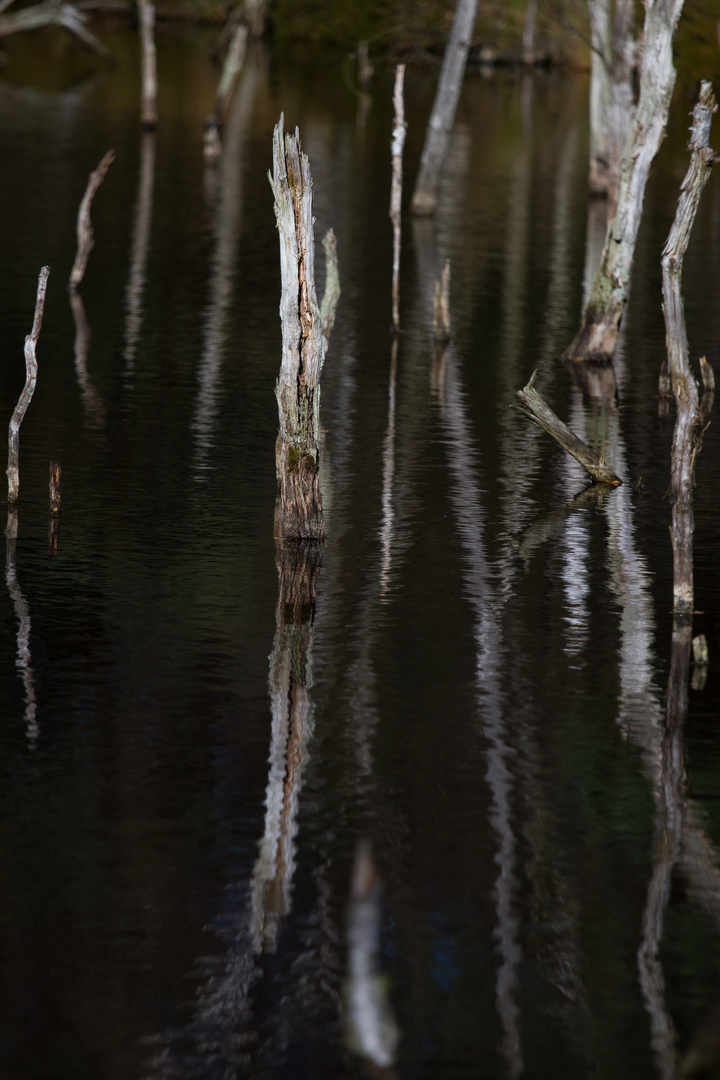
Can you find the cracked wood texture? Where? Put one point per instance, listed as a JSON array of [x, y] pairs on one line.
[[688, 421], [299, 513]]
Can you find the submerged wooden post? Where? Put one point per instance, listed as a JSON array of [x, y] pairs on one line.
[[31, 368], [299, 512], [85, 236], [687, 434], [398, 144], [537, 410], [149, 112], [442, 118]]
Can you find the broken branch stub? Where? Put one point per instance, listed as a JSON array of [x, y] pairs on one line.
[[535, 409], [299, 513]]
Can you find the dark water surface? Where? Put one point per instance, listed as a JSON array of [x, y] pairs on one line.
[[489, 658]]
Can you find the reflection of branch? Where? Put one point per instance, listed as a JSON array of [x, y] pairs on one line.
[[388, 510], [93, 402], [371, 1030], [22, 611], [228, 219], [140, 243]]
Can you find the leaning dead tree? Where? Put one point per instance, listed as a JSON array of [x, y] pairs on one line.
[[612, 104], [600, 325], [299, 512], [84, 229], [398, 144], [536, 409], [442, 118], [688, 423], [149, 110], [234, 60], [31, 370]]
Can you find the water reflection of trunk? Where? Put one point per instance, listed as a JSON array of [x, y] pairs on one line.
[[22, 613], [139, 252], [228, 221], [223, 1033], [290, 682], [92, 401], [388, 474], [467, 504]]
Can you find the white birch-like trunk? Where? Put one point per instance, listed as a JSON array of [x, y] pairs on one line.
[[600, 326]]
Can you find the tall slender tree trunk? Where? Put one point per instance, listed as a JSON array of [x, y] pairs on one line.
[[600, 326], [612, 103], [440, 125]]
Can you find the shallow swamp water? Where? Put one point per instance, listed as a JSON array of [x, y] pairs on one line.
[[487, 668]]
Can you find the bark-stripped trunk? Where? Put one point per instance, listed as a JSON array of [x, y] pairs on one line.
[[686, 436], [611, 92], [600, 326], [146, 16], [440, 125], [299, 513]]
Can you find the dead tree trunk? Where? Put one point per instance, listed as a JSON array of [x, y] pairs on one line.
[[85, 236], [611, 92], [31, 369], [440, 125], [149, 113], [234, 60], [600, 326], [398, 144], [686, 437], [299, 513]]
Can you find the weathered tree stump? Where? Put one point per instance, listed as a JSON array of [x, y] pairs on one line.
[[537, 410], [299, 512], [687, 435]]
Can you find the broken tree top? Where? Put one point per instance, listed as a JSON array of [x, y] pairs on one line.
[[535, 409]]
